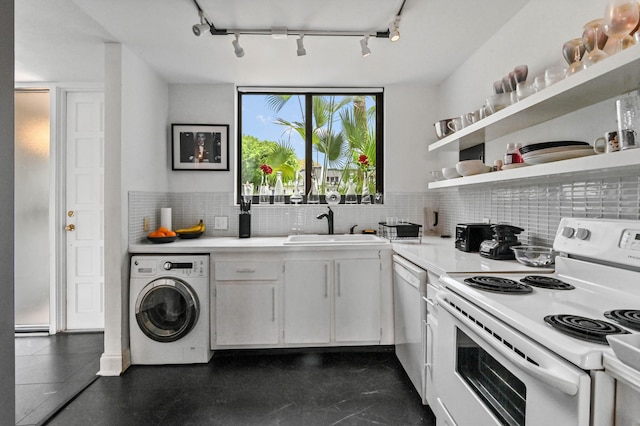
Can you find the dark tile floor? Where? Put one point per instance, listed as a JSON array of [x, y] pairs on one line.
[[348, 387], [51, 370]]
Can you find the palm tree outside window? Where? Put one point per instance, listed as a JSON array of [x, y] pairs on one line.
[[308, 134]]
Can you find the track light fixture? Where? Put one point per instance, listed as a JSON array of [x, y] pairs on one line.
[[239, 51], [364, 44], [394, 32], [207, 25], [301, 50], [202, 27]]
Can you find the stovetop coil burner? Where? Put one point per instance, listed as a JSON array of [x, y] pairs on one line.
[[498, 285], [588, 329], [549, 283], [626, 317]]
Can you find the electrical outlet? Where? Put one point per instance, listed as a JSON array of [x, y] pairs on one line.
[[146, 224], [220, 222]]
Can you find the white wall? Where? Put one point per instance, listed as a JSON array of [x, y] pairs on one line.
[[203, 104], [409, 112], [7, 343], [534, 36], [136, 101]]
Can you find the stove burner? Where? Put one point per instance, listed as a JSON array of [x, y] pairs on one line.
[[588, 329], [498, 285], [625, 317], [546, 282]]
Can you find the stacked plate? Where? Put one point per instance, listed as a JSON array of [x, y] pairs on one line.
[[546, 152]]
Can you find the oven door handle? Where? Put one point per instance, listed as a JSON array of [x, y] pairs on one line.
[[544, 375]]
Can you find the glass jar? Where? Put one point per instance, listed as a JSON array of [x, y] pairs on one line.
[[351, 197], [278, 193], [314, 196]]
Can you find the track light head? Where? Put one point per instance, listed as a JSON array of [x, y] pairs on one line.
[[301, 50], [364, 44], [199, 29], [239, 51], [394, 31]]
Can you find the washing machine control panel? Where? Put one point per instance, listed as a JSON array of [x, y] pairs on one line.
[[148, 267]]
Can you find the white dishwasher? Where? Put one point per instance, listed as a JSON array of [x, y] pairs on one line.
[[409, 288]]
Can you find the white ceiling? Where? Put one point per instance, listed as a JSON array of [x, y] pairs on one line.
[[62, 40]]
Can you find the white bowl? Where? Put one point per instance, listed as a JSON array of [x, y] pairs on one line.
[[450, 173], [471, 167], [627, 348]]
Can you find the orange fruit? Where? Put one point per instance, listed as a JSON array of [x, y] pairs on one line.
[[155, 234], [163, 229], [170, 234]]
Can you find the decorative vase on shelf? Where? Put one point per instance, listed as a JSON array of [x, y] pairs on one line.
[[365, 196], [278, 192], [332, 196], [314, 196], [296, 196], [263, 191], [351, 197]]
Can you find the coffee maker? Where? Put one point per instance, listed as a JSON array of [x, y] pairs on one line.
[[499, 248]]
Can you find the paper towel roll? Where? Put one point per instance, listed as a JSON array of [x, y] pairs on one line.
[[165, 217]]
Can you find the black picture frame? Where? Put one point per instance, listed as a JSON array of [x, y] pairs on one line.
[[200, 147]]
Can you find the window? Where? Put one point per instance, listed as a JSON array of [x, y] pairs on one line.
[[330, 139]]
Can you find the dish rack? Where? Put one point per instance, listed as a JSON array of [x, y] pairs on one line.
[[401, 231]]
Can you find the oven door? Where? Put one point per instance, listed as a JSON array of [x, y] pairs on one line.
[[489, 374]]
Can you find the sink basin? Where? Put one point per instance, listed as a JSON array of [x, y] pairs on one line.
[[311, 239]]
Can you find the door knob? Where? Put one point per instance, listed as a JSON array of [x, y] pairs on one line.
[[71, 227]]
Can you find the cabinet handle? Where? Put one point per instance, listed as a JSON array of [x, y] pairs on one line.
[[246, 270], [326, 281], [338, 279], [273, 304]]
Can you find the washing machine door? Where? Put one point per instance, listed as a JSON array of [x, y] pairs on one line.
[[167, 309]]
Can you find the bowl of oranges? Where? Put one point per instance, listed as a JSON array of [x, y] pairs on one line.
[[162, 235]]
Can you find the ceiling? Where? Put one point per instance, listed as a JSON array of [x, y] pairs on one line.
[[62, 40]]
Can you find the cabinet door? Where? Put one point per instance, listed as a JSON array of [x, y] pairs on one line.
[[307, 301], [357, 300], [246, 313]]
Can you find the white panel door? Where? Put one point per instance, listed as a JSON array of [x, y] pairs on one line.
[[357, 300], [85, 207], [246, 313], [307, 301]]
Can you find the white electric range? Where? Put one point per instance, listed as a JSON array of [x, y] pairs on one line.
[[502, 359]]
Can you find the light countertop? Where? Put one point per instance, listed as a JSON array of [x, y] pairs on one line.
[[214, 244], [435, 254], [440, 256]]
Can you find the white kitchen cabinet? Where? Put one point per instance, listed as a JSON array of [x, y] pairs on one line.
[[307, 301], [357, 300], [245, 303], [331, 301], [246, 313], [612, 77]]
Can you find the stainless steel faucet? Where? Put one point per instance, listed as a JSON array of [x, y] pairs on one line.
[[329, 217]]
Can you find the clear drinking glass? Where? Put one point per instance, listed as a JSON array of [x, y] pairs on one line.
[[620, 18], [593, 35]]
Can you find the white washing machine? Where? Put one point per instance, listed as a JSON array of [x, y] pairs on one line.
[[169, 309]]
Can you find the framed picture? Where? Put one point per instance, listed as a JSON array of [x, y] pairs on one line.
[[200, 146]]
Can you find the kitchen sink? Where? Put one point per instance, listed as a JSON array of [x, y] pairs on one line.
[[310, 239]]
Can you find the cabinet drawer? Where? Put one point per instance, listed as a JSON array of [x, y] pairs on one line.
[[246, 271]]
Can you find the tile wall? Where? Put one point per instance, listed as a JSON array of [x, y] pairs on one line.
[[188, 208], [537, 205]]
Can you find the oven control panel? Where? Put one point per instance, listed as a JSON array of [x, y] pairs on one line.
[[612, 241], [630, 239]]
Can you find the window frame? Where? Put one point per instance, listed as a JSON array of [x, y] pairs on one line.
[[308, 93]]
